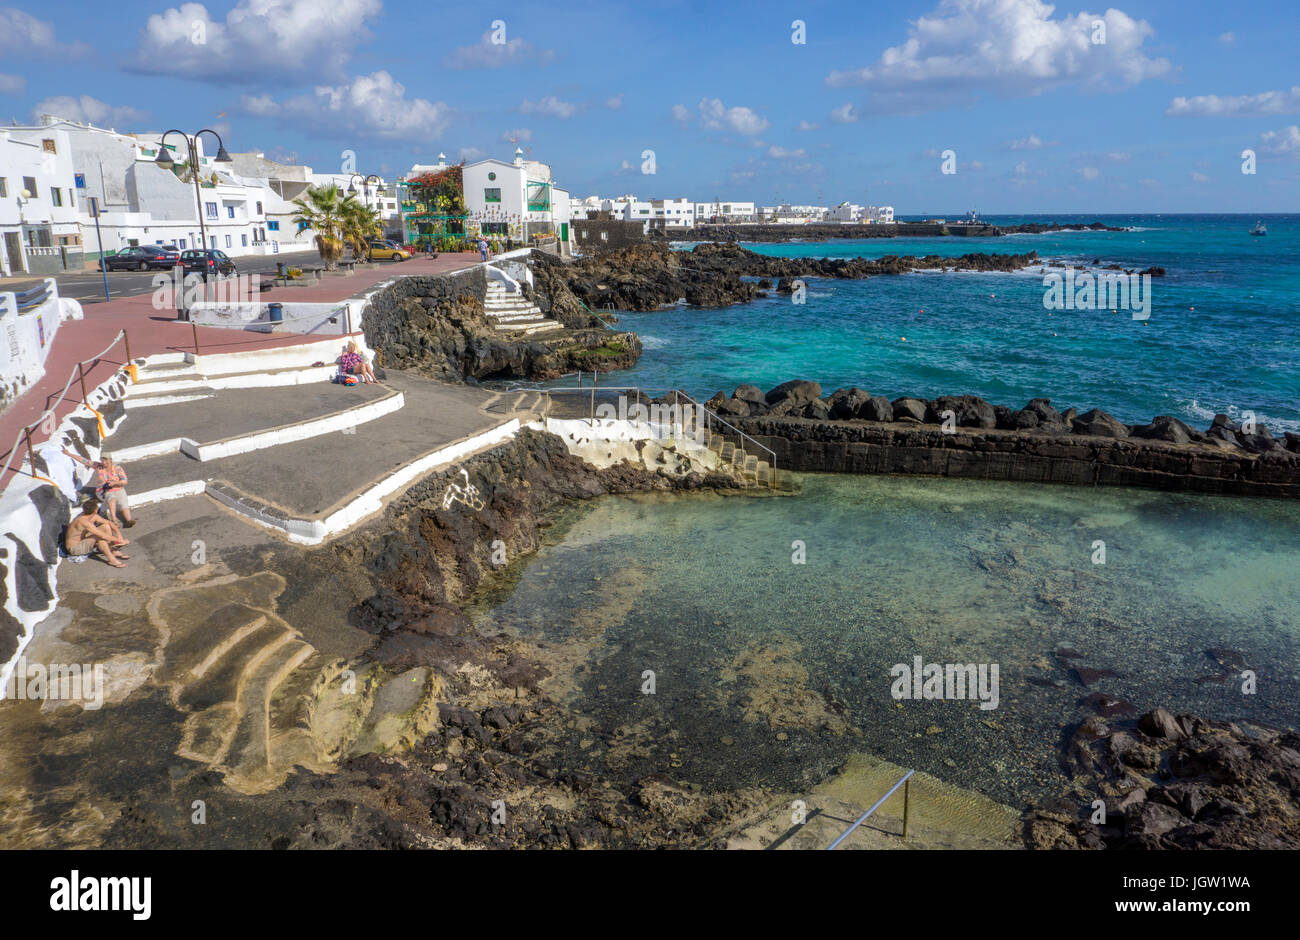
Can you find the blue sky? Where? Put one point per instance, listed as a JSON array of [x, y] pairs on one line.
[[1040, 116]]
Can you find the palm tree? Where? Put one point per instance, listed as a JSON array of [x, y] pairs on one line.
[[324, 208], [360, 224]]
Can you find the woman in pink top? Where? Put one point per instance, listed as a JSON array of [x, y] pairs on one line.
[[353, 363]]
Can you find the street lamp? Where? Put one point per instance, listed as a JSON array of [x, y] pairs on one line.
[[164, 160], [365, 185]]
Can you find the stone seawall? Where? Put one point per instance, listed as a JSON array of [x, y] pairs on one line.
[[806, 444]]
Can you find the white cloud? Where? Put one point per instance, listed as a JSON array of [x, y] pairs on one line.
[[550, 106], [1228, 39], [1268, 102], [521, 134], [374, 105], [780, 153], [88, 110], [22, 34], [1119, 156], [11, 84], [681, 113], [714, 115], [1022, 168], [845, 115], [1199, 177], [805, 126], [298, 39], [614, 102], [470, 154], [1032, 142], [1008, 47], [489, 55], [1090, 173], [1283, 143]]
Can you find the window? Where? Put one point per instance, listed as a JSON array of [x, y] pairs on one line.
[[492, 176], [212, 209], [80, 180], [180, 243], [273, 226], [4, 188], [48, 146], [56, 197], [259, 208], [227, 241], [492, 195], [243, 241], [230, 212], [494, 228], [94, 207], [29, 184]]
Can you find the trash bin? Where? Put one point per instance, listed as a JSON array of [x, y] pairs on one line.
[[276, 311]]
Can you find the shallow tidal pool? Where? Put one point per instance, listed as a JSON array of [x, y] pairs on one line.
[[743, 641]]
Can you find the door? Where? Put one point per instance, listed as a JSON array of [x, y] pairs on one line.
[[14, 249]]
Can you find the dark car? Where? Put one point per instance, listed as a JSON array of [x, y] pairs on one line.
[[140, 258], [206, 261]]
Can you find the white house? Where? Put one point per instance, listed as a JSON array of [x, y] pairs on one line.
[[725, 212], [516, 200], [39, 201], [672, 213]]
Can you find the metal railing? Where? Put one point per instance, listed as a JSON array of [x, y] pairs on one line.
[[903, 782], [706, 420], [50, 413]]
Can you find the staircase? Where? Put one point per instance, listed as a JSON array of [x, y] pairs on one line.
[[749, 466], [511, 312], [260, 700]]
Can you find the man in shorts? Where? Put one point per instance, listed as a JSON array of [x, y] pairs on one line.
[[88, 532]]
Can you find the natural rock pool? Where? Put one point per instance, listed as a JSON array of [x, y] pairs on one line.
[[768, 672]]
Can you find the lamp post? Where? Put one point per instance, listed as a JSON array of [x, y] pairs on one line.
[[365, 185], [164, 160]]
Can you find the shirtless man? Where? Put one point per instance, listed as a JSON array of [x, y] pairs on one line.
[[88, 532]]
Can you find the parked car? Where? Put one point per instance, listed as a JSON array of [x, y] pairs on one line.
[[384, 250], [206, 261], [140, 258]]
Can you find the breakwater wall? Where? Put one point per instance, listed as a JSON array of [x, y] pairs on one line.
[[806, 444]]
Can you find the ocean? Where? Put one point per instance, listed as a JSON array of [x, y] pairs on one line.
[[772, 625], [1223, 334]]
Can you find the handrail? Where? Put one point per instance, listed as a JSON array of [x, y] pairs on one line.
[[593, 312], [77, 371], [863, 818]]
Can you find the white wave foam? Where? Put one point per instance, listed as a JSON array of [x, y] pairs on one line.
[[652, 342], [1276, 425]]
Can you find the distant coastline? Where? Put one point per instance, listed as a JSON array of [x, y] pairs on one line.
[[823, 231]]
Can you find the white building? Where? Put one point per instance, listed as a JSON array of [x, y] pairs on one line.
[[879, 215], [516, 200], [672, 213], [725, 212], [39, 202]]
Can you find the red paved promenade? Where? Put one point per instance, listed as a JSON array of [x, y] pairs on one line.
[[155, 331]]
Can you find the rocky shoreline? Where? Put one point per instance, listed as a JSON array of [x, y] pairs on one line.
[[1175, 782], [436, 326], [853, 431], [650, 277]]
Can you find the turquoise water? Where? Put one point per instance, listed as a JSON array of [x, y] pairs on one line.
[[989, 334], [768, 673]]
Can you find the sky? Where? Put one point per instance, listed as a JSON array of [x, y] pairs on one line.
[[1143, 107]]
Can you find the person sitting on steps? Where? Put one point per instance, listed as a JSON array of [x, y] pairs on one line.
[[353, 363], [110, 487], [88, 532]]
